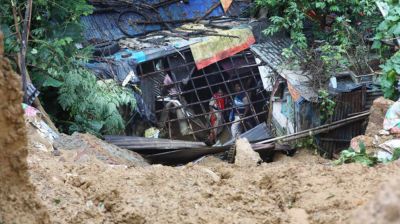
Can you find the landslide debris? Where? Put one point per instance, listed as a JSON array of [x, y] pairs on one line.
[[18, 201]]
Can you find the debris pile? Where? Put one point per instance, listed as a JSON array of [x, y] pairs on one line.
[[376, 140], [204, 87], [211, 191]]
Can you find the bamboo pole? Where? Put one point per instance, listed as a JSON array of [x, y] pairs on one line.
[[317, 130]]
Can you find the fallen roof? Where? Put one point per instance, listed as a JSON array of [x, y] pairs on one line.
[[151, 145], [185, 156], [162, 43], [258, 133]]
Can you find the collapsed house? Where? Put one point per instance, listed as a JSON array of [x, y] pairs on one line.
[[195, 61], [295, 103], [178, 55]]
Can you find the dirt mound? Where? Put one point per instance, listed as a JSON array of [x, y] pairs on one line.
[[300, 189], [384, 208], [18, 203]]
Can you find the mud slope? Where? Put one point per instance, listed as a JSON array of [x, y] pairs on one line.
[[18, 203], [384, 208], [301, 189]]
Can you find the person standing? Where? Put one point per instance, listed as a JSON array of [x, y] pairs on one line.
[[239, 110], [173, 104], [217, 106]]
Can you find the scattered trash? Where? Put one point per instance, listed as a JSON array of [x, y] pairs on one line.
[[384, 155], [391, 145], [40, 135], [152, 133], [392, 119]]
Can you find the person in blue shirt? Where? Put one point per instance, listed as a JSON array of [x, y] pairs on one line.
[[240, 108]]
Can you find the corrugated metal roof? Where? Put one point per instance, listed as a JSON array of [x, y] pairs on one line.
[[258, 133], [271, 50], [104, 25]]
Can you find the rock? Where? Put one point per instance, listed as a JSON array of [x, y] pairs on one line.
[[215, 177], [367, 140], [373, 135], [378, 112], [245, 155]]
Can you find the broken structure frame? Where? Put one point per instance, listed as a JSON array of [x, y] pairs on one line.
[[240, 68]]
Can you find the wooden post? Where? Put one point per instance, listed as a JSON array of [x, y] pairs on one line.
[[24, 47]]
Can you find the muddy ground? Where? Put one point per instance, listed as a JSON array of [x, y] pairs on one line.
[[18, 201], [300, 189], [92, 182]]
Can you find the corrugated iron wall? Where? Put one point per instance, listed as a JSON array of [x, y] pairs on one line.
[[347, 104]]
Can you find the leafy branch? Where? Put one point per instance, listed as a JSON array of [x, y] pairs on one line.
[[73, 95]]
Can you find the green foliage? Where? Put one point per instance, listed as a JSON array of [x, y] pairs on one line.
[[351, 156], [340, 27], [388, 29], [396, 154], [389, 78], [308, 143], [57, 201], [290, 14], [332, 58], [327, 105], [94, 105], [53, 59]]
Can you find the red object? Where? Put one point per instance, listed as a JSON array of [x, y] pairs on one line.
[[219, 100], [312, 14], [213, 120], [225, 54], [220, 104]]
